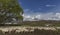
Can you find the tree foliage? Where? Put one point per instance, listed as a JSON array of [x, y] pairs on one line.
[[10, 9]]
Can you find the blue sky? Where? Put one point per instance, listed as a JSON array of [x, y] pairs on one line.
[[40, 6]]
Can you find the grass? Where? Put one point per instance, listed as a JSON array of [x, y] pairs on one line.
[[43, 23]]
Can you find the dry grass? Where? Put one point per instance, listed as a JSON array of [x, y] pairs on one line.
[[35, 32]]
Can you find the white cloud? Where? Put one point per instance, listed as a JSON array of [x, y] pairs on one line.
[[41, 16], [40, 8], [30, 16], [50, 5], [58, 15], [28, 11]]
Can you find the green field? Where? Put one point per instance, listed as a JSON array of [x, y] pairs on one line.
[[43, 23]]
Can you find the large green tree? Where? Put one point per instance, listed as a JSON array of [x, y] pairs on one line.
[[10, 9]]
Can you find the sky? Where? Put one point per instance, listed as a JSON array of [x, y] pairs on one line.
[[40, 9]]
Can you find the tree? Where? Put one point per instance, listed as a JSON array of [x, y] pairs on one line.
[[10, 9]]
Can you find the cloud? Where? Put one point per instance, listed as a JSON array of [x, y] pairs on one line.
[[42, 16], [28, 11], [50, 5], [58, 15], [29, 15], [40, 8]]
